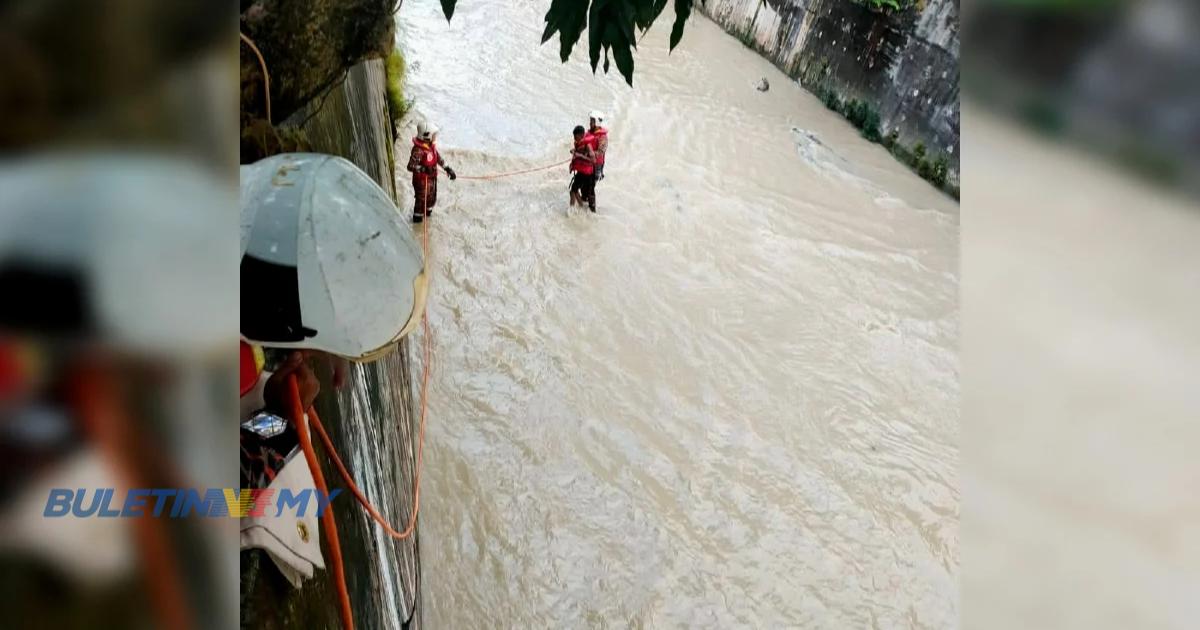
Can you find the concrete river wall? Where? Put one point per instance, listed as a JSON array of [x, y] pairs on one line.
[[904, 63]]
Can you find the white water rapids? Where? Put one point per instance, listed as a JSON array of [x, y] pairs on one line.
[[728, 399]]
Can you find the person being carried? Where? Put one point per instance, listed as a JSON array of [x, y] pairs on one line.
[[583, 165], [596, 129], [423, 163]]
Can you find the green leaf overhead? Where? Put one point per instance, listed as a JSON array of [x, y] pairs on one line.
[[595, 40], [624, 19], [624, 60], [568, 18], [613, 27], [683, 10], [647, 12]]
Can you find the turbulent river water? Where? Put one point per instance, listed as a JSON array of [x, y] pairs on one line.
[[729, 398]]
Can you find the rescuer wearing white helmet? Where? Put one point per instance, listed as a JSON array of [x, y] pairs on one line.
[[423, 163], [597, 130]]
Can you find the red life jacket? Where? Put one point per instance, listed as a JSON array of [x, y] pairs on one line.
[[580, 165], [429, 156], [599, 134]]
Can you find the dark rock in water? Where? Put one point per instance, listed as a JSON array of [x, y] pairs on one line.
[[763, 85]]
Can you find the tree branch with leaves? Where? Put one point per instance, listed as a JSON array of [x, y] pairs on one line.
[[611, 26]]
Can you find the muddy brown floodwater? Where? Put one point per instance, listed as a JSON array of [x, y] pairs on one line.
[[730, 398]]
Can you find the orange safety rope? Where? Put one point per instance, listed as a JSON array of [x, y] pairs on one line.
[[266, 76], [510, 174], [106, 424], [327, 522], [337, 460], [358, 494], [427, 352]]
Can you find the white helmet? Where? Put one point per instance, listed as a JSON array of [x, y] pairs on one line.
[[327, 264], [426, 130], [118, 248], [597, 115]]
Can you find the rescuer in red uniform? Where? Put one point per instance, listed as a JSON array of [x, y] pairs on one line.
[[583, 165], [423, 163]]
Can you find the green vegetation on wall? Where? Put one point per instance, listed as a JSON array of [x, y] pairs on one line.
[[866, 118], [896, 5], [863, 116], [398, 106]]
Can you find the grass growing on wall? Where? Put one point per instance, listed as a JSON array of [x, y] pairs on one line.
[[935, 170], [398, 106], [863, 116]]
